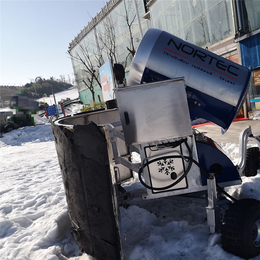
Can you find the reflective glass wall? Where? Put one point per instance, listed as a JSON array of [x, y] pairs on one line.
[[201, 22], [247, 13], [114, 35]]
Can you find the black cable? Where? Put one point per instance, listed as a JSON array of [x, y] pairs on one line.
[[168, 145], [225, 193], [184, 174], [219, 188], [164, 158]]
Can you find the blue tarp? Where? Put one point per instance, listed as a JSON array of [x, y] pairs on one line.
[[250, 51]]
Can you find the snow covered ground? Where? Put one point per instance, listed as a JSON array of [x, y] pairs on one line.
[[34, 223], [33, 219], [71, 93]]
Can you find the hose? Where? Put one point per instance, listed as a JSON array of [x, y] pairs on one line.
[[164, 158], [191, 160]]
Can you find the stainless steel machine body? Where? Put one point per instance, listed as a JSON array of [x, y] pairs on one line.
[[153, 112], [156, 122]]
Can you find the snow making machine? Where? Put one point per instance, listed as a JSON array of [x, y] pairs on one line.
[[171, 82]]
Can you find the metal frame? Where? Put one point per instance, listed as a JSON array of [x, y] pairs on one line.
[[113, 134], [193, 183], [212, 203]]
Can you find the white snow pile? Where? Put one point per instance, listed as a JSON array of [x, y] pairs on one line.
[[71, 93], [73, 109], [255, 117], [34, 223]]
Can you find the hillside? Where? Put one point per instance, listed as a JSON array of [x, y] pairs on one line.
[[44, 88], [7, 92], [34, 90]]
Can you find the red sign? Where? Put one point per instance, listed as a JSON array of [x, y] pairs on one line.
[[106, 87], [104, 79]]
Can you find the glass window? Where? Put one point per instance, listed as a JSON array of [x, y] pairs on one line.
[[187, 33], [173, 17], [220, 21], [201, 22], [196, 8], [247, 16], [253, 11], [111, 28]]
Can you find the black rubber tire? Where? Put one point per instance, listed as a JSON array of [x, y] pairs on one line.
[[8, 129], [252, 161], [89, 189], [238, 230]]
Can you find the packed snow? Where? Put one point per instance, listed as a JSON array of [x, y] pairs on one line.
[[255, 117], [34, 224], [71, 93]]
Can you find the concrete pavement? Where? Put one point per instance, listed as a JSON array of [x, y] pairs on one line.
[[232, 134]]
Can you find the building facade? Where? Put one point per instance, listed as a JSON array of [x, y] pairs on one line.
[[247, 35], [229, 28]]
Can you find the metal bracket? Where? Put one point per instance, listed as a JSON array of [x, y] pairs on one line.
[[255, 139], [113, 135], [212, 203]]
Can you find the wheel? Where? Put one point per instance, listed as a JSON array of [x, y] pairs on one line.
[[89, 189], [241, 228], [8, 129], [252, 161]]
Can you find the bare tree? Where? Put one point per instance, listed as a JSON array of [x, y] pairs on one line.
[[62, 78], [69, 79], [90, 67], [104, 44], [88, 83], [129, 22], [107, 39], [200, 19]]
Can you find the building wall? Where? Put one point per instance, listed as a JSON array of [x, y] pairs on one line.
[[247, 34], [211, 24], [200, 22], [110, 24]]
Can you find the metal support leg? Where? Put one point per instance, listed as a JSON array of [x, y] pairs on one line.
[[112, 134], [212, 203], [243, 139]]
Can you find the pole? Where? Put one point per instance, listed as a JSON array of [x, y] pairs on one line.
[[57, 111], [63, 110], [46, 112]]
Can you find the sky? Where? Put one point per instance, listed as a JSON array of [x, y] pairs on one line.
[[35, 35]]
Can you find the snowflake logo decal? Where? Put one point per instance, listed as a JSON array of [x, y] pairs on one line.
[[166, 166]]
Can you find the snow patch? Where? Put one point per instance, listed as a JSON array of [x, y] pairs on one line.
[[35, 224]]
